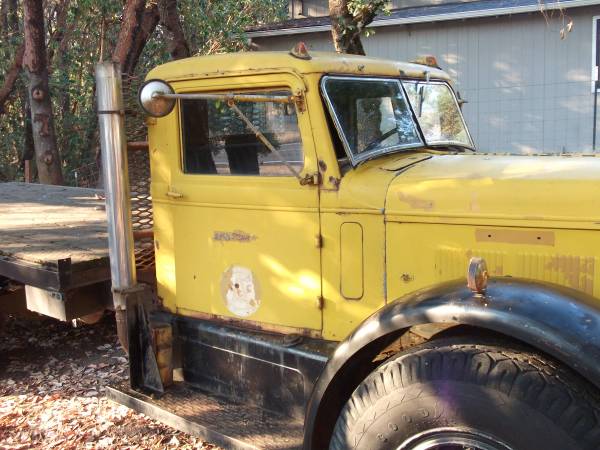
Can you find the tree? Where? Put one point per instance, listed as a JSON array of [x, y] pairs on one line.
[[35, 63], [79, 33], [139, 22], [9, 27], [10, 78], [169, 18], [349, 20]]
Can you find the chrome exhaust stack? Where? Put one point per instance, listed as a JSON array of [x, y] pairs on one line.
[[113, 147], [131, 301]]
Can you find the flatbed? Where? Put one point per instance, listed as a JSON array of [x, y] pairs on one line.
[[53, 237]]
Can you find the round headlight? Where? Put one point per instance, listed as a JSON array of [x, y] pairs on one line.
[[152, 99]]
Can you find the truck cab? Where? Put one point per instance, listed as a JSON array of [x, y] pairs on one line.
[[296, 238], [331, 250]]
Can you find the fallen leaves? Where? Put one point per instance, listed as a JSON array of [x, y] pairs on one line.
[[52, 381]]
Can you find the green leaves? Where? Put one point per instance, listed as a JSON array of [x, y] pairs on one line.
[[78, 32]]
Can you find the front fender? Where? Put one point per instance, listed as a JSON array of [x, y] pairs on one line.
[[558, 321]]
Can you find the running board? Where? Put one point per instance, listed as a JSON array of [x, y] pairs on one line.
[[215, 420]]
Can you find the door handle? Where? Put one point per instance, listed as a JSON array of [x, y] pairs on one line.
[[174, 194]]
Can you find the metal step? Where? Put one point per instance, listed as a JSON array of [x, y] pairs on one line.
[[216, 420]]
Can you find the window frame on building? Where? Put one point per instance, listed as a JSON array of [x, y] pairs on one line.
[[595, 76]]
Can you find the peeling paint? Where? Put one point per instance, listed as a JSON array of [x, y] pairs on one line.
[[240, 291], [233, 236], [578, 271], [415, 202]]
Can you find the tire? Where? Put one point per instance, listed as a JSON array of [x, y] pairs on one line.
[[449, 395]]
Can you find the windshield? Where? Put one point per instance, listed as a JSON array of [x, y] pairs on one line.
[[438, 113], [371, 114]]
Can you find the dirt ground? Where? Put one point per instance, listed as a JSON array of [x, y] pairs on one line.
[[52, 379]]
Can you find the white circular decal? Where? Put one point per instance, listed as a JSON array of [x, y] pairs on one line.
[[240, 291]]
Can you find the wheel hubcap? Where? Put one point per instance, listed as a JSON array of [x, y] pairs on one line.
[[452, 439]]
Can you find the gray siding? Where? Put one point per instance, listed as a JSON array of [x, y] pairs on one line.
[[320, 8], [528, 91], [309, 8]]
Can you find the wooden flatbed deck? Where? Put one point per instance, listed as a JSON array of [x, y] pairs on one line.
[[53, 237]]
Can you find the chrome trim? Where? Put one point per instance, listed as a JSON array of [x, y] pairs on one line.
[[152, 102], [469, 438], [229, 97], [356, 159], [113, 144]]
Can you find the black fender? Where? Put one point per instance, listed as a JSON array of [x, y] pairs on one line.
[[558, 321]]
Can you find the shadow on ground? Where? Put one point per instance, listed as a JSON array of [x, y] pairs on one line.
[[52, 381]]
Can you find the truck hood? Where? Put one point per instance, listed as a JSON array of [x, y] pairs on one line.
[[484, 188]]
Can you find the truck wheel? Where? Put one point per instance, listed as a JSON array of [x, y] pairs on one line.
[[450, 395]]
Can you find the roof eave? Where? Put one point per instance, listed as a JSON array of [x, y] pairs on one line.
[[434, 17]]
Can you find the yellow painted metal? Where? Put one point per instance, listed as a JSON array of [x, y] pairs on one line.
[[257, 63], [237, 246], [422, 214], [534, 191], [351, 260]]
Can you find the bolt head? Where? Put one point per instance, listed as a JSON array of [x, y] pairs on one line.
[[477, 275]]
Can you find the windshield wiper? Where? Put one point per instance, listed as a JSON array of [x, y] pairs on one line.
[[374, 143], [263, 138], [452, 147]]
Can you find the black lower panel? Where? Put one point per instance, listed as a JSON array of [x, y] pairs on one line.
[[249, 367]]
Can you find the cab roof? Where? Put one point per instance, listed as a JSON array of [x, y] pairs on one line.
[[320, 62]]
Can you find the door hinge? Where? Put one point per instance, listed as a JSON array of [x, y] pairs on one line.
[[300, 101], [312, 179], [174, 194], [320, 302], [319, 240]]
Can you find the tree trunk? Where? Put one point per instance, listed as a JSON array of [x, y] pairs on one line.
[[58, 39], [343, 29], [28, 145], [12, 74], [44, 137], [8, 31], [347, 26], [138, 24], [150, 20], [169, 18]]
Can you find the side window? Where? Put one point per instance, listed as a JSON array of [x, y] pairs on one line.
[[216, 140]]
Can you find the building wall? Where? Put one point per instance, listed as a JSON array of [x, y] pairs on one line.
[[528, 91], [320, 8]]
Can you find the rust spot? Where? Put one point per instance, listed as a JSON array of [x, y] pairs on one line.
[[335, 181], [322, 165], [577, 271], [415, 202], [250, 324], [407, 277], [240, 291], [233, 236]]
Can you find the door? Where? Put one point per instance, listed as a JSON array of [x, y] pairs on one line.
[[246, 230]]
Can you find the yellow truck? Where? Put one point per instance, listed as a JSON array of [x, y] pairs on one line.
[[337, 267]]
